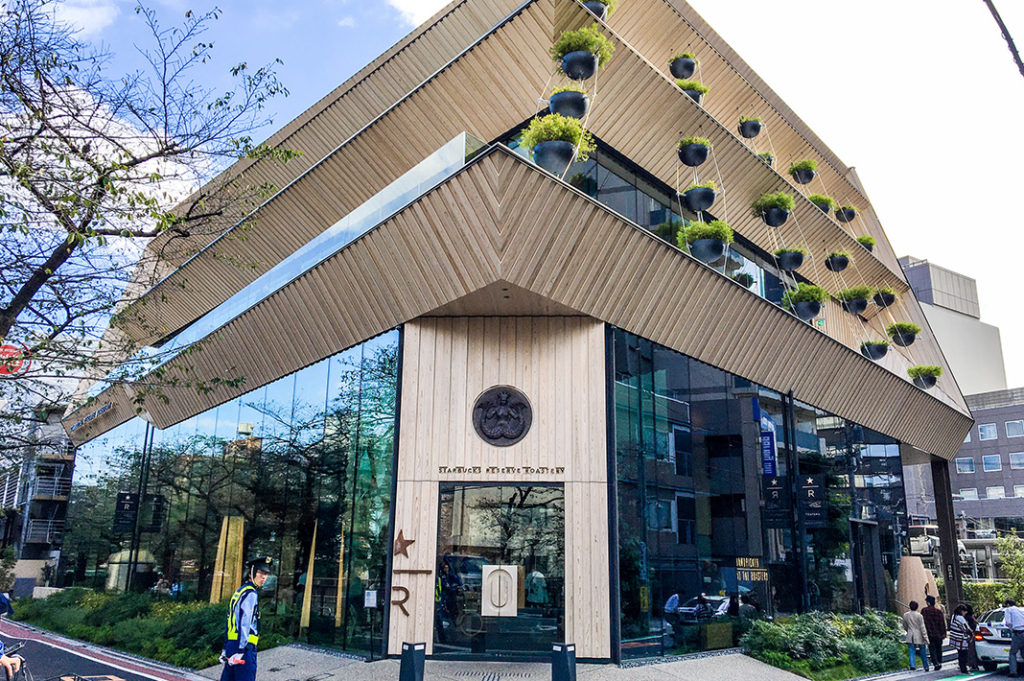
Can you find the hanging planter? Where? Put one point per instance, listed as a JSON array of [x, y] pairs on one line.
[[582, 52], [570, 101], [824, 203], [706, 241], [924, 376], [693, 89], [837, 261], [693, 151], [846, 213], [867, 242], [875, 349], [790, 259], [600, 8], [884, 296], [699, 197], [855, 299], [744, 279], [767, 158], [803, 171], [804, 301], [774, 209], [682, 65], [903, 333], [554, 138], [750, 126]]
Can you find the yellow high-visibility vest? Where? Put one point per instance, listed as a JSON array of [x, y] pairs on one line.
[[233, 622]]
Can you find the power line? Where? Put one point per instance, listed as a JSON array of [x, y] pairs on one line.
[[1006, 34]]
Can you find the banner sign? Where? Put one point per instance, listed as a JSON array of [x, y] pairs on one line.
[[814, 501], [778, 502]]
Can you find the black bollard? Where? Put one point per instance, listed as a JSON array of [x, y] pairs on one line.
[[414, 656], [563, 662]]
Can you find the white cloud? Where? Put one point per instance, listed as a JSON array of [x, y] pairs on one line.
[[88, 16], [416, 12], [347, 22]]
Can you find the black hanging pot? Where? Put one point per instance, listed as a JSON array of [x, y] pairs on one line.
[[554, 156], [707, 250], [750, 129], [569, 103], [870, 247], [580, 65], [837, 263], [790, 261], [695, 95], [874, 351], [855, 305], [803, 176], [845, 214], [904, 339], [698, 199], [693, 154], [775, 217], [682, 68], [806, 309], [825, 207], [598, 9], [883, 299], [925, 382]]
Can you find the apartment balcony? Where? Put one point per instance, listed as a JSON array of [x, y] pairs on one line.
[[51, 488], [44, 532], [62, 451]]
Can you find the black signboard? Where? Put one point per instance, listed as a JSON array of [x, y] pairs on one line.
[[125, 512], [154, 512], [814, 501], [778, 502], [151, 516]]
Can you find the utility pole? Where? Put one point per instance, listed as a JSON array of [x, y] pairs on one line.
[[1006, 35]]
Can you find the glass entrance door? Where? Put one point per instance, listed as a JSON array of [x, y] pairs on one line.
[[501, 570]]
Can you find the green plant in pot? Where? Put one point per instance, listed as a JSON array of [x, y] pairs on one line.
[[825, 203], [874, 349], [803, 171], [903, 333], [790, 259], [750, 126], [693, 89], [706, 241], [837, 261], [805, 300], [570, 101], [744, 279], [554, 138], [924, 375], [693, 151], [682, 65], [602, 9], [855, 299], [767, 158], [846, 213], [885, 296], [774, 209], [867, 242], [699, 197], [582, 52]]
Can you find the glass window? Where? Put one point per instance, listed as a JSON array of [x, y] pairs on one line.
[[1017, 460], [995, 492], [991, 462], [987, 431], [1018, 491], [969, 494], [968, 438], [965, 465], [1015, 429]]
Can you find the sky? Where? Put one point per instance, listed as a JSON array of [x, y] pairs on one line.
[[920, 96]]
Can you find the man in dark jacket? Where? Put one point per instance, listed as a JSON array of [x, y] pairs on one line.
[[935, 624]]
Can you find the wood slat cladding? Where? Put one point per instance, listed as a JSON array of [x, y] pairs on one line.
[[559, 364], [505, 220]]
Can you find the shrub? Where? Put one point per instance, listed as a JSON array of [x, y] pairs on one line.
[[569, 88], [778, 200], [766, 157], [561, 128], [839, 254], [821, 198], [791, 250], [876, 624], [867, 240], [747, 119], [716, 229], [123, 607], [693, 140], [684, 55], [922, 370], [875, 655], [985, 595], [807, 164], [804, 293], [855, 293], [692, 85], [886, 289], [848, 207], [902, 328], [875, 342], [587, 39], [710, 184]]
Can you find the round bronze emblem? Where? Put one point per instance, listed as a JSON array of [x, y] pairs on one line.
[[502, 416]]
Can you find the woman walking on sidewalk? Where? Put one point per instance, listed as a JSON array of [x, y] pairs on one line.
[[917, 636], [959, 636], [972, 649]]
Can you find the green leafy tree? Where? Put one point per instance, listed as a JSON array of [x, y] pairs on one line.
[[1011, 557]]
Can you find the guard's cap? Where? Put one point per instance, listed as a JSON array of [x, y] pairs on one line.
[[262, 564]]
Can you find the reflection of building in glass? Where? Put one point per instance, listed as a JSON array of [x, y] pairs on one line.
[[681, 454]]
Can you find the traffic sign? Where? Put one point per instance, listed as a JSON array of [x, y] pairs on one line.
[[13, 360]]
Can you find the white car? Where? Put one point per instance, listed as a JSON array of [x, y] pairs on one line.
[[992, 640]]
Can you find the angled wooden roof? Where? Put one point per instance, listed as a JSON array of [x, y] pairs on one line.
[[502, 219]]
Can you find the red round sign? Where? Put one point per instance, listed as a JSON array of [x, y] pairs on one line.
[[13, 360]]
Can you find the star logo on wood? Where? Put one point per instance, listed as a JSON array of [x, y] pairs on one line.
[[402, 544]]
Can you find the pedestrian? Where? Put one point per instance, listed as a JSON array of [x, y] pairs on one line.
[[747, 609], [1013, 619], [959, 634], [734, 606], [243, 628], [935, 624], [917, 636], [11, 664], [972, 648]]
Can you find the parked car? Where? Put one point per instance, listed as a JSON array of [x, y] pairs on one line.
[[688, 610], [992, 640]]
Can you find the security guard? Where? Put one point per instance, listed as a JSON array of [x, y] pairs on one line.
[[243, 630]]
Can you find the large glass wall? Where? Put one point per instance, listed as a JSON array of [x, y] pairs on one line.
[[736, 502], [298, 467]]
